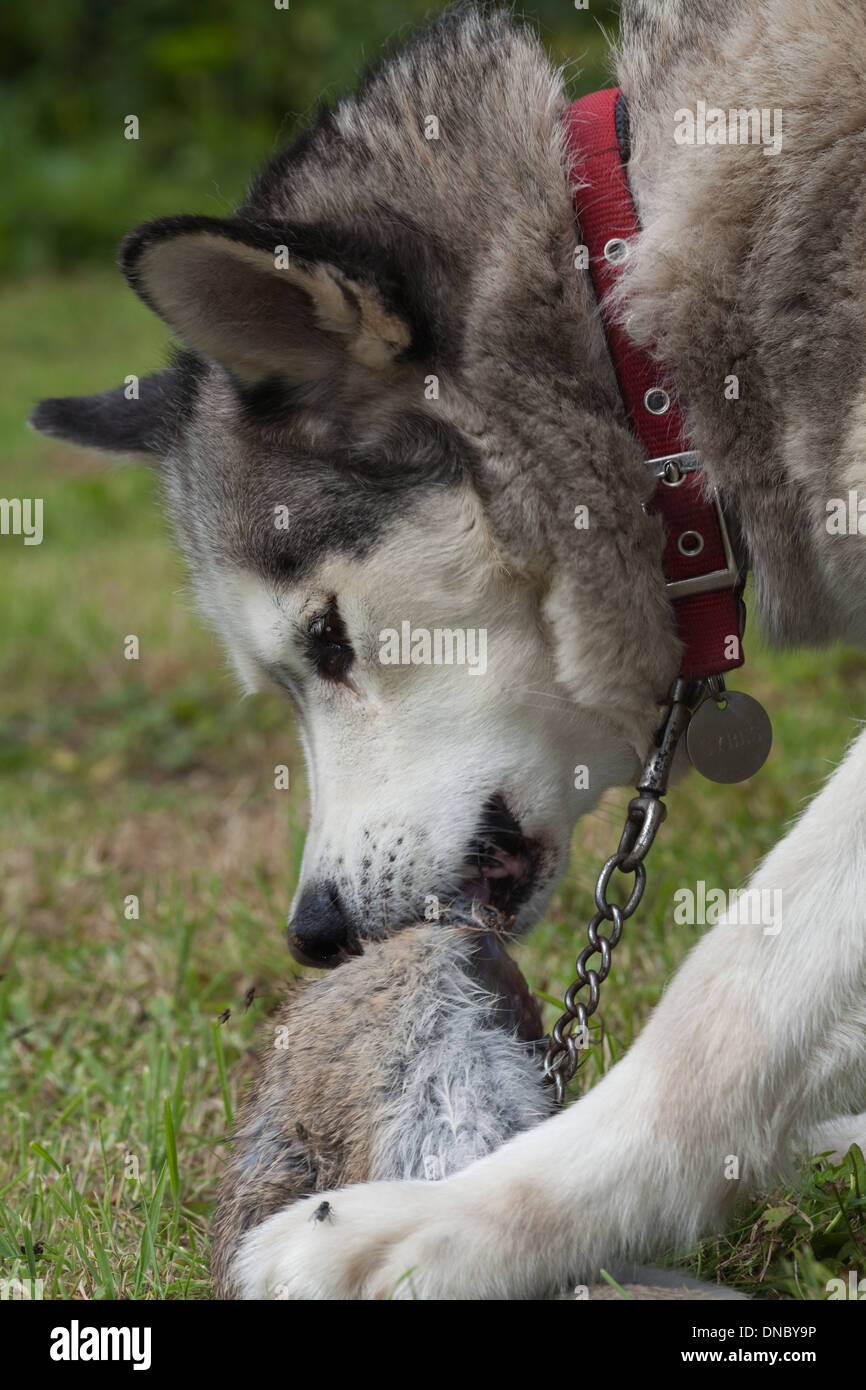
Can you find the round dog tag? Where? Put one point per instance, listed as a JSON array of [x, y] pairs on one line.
[[729, 741]]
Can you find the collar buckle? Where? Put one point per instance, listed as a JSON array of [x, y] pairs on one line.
[[672, 470]]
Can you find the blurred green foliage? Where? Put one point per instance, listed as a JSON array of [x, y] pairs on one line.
[[217, 85]]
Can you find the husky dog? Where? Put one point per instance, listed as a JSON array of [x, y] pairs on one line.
[[393, 394]]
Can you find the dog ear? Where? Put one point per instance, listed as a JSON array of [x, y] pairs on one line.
[[300, 303], [121, 421]]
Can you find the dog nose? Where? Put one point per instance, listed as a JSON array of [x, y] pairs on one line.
[[319, 929]]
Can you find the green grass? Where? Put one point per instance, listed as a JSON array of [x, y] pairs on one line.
[[152, 779]]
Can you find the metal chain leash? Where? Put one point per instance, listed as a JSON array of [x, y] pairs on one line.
[[646, 811]]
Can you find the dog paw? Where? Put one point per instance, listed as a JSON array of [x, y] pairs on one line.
[[835, 1137], [399, 1240]]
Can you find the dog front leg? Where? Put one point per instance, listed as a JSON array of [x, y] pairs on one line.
[[835, 1137], [760, 1037]]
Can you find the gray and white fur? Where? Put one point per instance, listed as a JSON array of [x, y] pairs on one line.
[[370, 264], [409, 1061]]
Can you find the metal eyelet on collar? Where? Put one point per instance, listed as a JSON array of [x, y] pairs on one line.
[[657, 400], [615, 251], [690, 544]]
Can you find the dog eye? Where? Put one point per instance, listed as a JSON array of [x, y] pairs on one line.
[[329, 646]]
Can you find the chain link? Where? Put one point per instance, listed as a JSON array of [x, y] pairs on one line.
[[646, 811], [570, 1035]]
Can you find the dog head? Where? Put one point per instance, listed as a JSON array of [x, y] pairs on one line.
[[395, 456]]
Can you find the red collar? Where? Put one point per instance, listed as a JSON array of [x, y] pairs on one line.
[[703, 583]]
